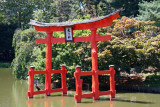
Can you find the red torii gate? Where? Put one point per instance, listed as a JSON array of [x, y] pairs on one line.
[[49, 28]]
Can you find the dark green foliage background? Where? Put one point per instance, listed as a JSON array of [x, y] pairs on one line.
[[152, 81], [6, 34]]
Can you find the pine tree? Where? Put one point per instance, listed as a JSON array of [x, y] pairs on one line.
[[150, 11]]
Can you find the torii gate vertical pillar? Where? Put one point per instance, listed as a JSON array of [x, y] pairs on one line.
[[48, 64], [94, 51], [112, 81]]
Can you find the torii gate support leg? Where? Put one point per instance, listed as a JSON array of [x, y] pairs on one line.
[[63, 79], [79, 83], [48, 64], [94, 50], [31, 82], [112, 82]]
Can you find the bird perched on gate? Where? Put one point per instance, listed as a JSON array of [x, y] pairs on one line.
[[37, 87]]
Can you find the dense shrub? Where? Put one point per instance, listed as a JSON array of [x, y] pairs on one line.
[[139, 53], [130, 27], [26, 51], [152, 81]]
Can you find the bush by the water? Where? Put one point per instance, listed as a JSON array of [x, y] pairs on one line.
[[4, 65], [152, 81]]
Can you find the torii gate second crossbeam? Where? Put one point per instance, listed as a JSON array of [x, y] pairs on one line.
[[49, 28]]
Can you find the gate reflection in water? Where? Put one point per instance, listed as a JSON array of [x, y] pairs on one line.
[[47, 102], [67, 101]]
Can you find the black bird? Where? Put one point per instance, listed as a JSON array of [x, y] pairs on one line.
[[37, 87]]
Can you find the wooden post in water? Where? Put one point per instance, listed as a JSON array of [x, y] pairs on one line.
[[31, 82], [78, 84], [63, 79], [112, 81]]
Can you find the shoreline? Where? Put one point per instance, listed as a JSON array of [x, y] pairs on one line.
[[138, 89], [5, 64]]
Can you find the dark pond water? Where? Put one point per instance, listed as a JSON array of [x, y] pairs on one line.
[[13, 94]]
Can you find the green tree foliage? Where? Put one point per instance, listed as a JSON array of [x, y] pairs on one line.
[[17, 11], [130, 27], [44, 11], [102, 7], [149, 11], [152, 81], [139, 53], [24, 43], [56, 11], [130, 6], [65, 9], [94, 7]]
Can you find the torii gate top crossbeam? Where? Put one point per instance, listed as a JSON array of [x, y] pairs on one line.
[[77, 25]]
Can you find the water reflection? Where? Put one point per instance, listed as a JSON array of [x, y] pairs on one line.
[[66, 101], [19, 88], [132, 100], [57, 101], [13, 94]]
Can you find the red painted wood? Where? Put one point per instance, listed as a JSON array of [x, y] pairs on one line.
[[39, 92], [31, 83], [104, 72], [39, 72], [79, 82], [41, 41], [93, 38], [86, 73], [32, 72], [94, 51], [56, 90], [58, 40], [78, 85], [105, 93], [81, 39], [98, 24], [103, 38], [75, 39], [48, 63], [112, 82], [87, 95], [56, 71], [63, 79]]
